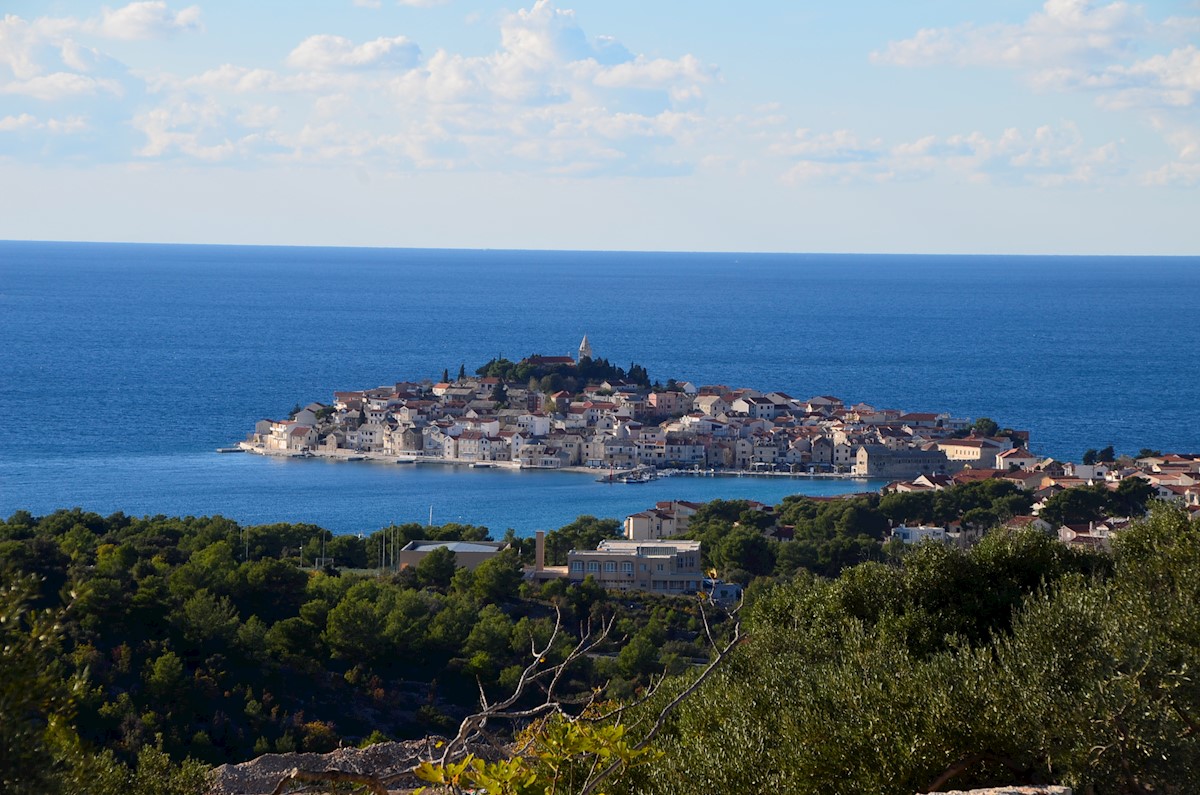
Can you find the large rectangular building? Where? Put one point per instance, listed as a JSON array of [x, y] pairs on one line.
[[878, 461], [657, 566]]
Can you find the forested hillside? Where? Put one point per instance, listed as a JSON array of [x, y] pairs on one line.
[[132, 645]]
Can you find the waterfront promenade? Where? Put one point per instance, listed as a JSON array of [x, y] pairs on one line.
[[354, 456]]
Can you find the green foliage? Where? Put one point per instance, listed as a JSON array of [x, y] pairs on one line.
[[1020, 661], [561, 755], [583, 533], [985, 426], [33, 701], [354, 629], [1090, 503], [995, 500], [180, 642], [1104, 456], [498, 579], [437, 568], [552, 377]]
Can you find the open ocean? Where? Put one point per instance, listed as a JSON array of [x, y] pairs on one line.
[[122, 367]]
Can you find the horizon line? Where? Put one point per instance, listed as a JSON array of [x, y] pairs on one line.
[[549, 250]]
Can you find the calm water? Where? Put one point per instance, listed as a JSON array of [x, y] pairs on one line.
[[123, 366]]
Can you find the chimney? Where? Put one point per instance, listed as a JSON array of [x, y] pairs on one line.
[[539, 551]]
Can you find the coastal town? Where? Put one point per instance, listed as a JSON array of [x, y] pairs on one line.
[[580, 413], [633, 429]]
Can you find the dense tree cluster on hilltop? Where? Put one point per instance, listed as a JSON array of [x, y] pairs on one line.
[[553, 376]]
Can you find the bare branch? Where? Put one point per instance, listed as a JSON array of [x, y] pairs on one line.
[[665, 712], [537, 672]]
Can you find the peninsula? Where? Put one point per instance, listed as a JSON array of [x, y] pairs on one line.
[[581, 412]]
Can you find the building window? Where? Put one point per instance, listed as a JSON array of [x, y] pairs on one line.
[[627, 567], [577, 565], [593, 566], [610, 566]]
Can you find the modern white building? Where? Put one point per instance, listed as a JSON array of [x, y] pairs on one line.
[[915, 535]]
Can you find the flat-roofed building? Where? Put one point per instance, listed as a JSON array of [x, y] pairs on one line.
[[657, 566], [467, 554]]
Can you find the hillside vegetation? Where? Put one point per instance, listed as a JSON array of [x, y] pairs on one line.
[[138, 651], [1020, 661]]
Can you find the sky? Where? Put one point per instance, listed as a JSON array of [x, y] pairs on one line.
[[928, 126]]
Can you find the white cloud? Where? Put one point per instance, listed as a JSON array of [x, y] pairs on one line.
[[547, 98], [22, 46], [60, 85], [840, 146], [1048, 156], [1071, 45], [194, 130], [45, 60], [325, 52], [26, 121], [1184, 170], [68, 126], [23, 122], [259, 115], [145, 20], [1061, 30], [657, 73], [1171, 80], [1105, 50]]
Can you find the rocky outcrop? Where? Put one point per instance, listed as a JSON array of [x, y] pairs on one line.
[[391, 763]]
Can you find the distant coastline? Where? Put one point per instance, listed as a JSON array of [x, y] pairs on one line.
[[583, 414]]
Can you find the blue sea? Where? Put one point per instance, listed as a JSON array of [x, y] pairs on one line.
[[123, 367]]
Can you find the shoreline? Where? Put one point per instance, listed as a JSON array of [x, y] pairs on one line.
[[351, 456]]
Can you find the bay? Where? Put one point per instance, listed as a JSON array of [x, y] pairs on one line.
[[123, 366]]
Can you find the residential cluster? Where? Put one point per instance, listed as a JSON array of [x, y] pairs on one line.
[[652, 557], [1172, 478], [621, 426]]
